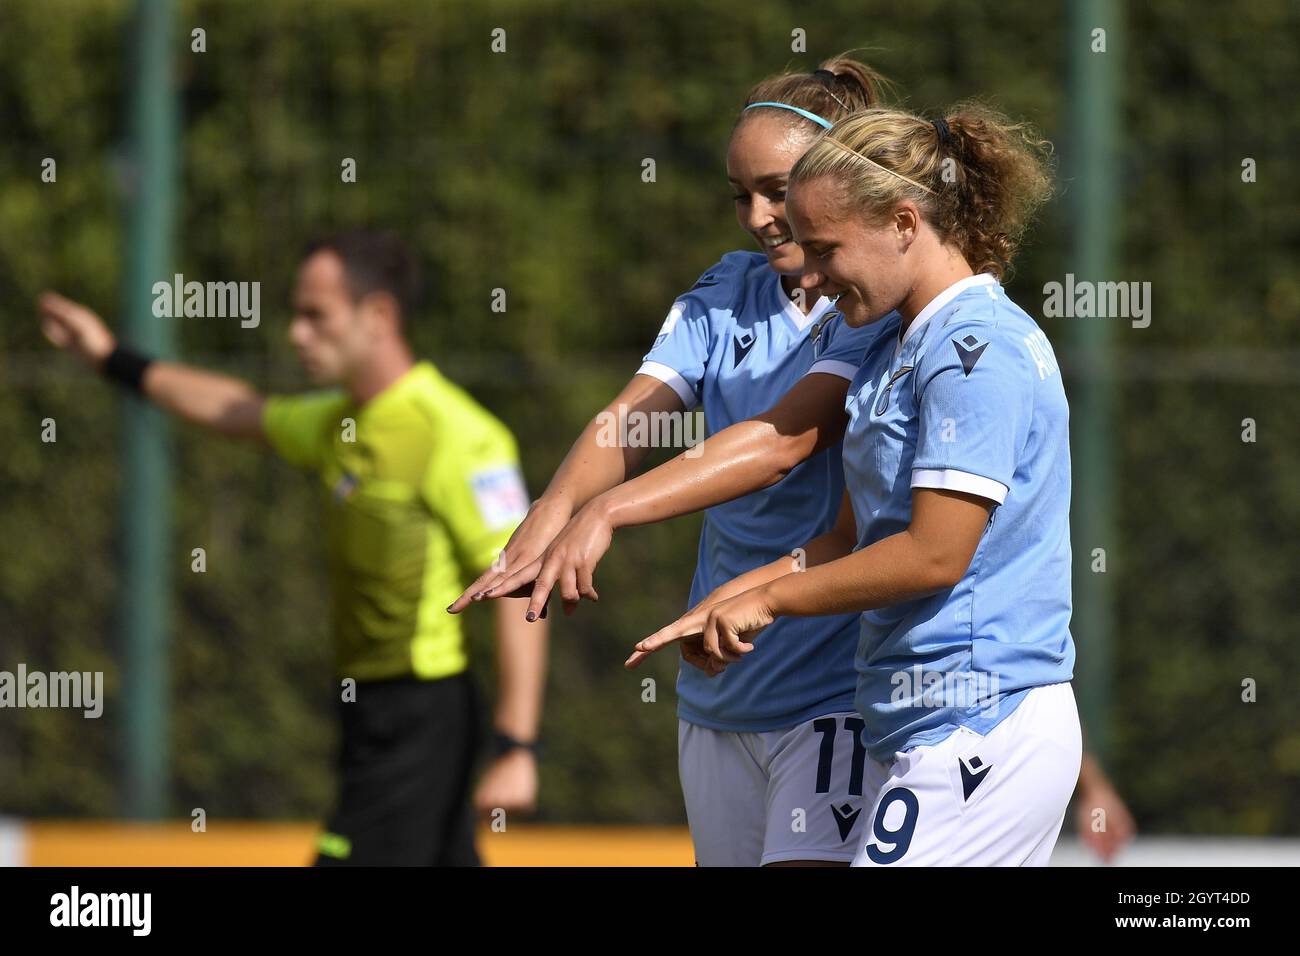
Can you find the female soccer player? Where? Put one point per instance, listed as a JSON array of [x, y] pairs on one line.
[[764, 751], [953, 541]]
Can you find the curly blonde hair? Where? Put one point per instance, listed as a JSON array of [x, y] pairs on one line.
[[976, 176]]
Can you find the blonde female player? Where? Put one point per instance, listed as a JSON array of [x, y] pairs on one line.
[[953, 539], [766, 753]]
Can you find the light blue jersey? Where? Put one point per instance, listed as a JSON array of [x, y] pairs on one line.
[[970, 400], [736, 343]]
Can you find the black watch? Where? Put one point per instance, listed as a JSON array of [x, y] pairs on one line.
[[503, 743]]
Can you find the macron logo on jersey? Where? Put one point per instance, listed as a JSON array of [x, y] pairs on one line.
[[969, 351], [741, 344]]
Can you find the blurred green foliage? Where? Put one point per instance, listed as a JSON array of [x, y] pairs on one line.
[[522, 170]]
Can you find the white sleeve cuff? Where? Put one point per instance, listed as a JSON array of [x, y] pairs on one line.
[[670, 377], [834, 367], [950, 480]]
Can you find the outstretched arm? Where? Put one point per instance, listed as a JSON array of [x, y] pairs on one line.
[[218, 402], [686, 630], [931, 554], [746, 457], [592, 466]]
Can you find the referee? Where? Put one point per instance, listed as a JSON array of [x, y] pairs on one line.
[[420, 488]]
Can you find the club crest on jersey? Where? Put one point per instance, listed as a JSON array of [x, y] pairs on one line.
[[883, 403], [741, 345], [969, 351], [665, 330]]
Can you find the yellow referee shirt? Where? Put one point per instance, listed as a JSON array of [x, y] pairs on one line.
[[422, 489]]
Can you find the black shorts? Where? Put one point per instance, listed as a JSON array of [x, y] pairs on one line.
[[404, 775]]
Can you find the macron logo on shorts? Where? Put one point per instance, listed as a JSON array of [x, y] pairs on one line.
[[973, 772], [845, 817]]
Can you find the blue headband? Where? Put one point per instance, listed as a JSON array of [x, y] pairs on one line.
[[794, 109]]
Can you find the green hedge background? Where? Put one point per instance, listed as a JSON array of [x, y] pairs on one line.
[[522, 170]]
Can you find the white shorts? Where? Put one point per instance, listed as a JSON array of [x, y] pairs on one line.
[[972, 800], [759, 798]]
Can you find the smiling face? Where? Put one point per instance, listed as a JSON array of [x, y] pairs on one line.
[[865, 264], [762, 151]]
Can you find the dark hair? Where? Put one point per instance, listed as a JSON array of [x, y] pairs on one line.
[[374, 262], [838, 87]]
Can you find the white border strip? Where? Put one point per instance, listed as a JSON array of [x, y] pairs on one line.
[[834, 367], [949, 479], [941, 300], [669, 376]]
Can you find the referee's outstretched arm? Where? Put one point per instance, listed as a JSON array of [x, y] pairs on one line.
[[219, 402]]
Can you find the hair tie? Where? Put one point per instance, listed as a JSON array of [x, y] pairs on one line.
[[827, 78], [941, 128]]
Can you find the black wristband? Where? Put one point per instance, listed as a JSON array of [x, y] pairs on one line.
[[503, 744], [126, 368]]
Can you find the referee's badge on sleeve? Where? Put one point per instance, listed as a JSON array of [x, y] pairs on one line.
[[500, 495]]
